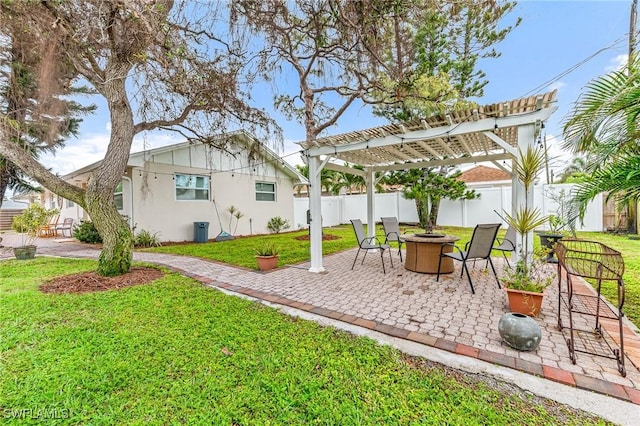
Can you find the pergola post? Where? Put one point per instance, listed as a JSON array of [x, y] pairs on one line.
[[315, 211], [523, 196], [371, 205]]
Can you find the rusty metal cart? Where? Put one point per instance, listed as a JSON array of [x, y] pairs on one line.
[[601, 266]]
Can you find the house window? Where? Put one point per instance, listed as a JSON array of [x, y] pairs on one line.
[[265, 191], [118, 198], [192, 187], [70, 204]]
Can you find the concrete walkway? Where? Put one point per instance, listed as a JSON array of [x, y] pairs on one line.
[[440, 321]]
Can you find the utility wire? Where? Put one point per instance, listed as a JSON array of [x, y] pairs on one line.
[[575, 66]]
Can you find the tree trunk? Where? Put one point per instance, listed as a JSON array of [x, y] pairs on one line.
[[117, 239], [433, 212], [422, 212], [117, 249]]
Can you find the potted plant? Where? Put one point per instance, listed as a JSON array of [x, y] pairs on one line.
[[525, 286], [526, 283], [267, 256], [28, 224], [549, 238]]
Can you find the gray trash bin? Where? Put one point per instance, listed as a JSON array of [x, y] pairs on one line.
[[200, 232]]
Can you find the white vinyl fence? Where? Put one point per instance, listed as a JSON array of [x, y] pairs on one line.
[[340, 209]]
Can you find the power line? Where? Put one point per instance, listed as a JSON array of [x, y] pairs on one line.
[[575, 66]]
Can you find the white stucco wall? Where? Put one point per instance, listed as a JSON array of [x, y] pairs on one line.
[[232, 183]]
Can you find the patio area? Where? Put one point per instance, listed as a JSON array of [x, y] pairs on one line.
[[443, 314], [414, 307]]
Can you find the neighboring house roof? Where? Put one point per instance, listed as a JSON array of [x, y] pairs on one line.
[[484, 174], [8, 204], [137, 158]]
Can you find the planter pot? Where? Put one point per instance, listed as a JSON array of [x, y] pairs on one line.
[[519, 331], [267, 263], [524, 302], [24, 252], [549, 240]]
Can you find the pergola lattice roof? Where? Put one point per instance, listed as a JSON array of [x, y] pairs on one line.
[[458, 135]]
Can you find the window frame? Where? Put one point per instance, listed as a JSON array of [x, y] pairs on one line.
[[206, 187], [274, 192], [118, 193]]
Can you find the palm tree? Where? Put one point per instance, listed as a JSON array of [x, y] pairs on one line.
[[577, 168], [604, 125]]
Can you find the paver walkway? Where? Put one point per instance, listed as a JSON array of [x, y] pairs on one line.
[[410, 306]]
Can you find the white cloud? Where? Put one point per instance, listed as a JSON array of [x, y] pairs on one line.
[[617, 63], [77, 153]]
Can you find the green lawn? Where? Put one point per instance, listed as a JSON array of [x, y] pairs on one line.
[[240, 252], [177, 352]]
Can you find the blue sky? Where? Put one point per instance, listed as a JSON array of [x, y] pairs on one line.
[[553, 37]]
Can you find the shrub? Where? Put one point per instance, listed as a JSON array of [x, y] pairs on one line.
[[277, 224], [31, 220], [145, 238], [86, 232]]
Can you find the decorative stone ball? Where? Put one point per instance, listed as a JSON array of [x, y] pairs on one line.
[[519, 331]]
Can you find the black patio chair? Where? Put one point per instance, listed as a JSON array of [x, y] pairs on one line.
[[392, 232], [479, 247], [368, 243], [507, 244]]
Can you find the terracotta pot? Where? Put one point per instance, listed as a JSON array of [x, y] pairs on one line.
[[525, 302], [24, 252], [267, 263]]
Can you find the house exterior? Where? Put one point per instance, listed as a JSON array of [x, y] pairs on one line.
[[165, 190]]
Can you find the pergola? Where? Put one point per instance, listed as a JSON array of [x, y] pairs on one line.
[[486, 133]]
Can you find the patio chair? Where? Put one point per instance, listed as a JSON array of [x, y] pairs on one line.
[[368, 243], [49, 230], [66, 225], [507, 244], [479, 247], [392, 232]]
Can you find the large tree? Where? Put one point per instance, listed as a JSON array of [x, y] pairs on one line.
[[437, 55], [334, 50], [42, 126], [158, 64]]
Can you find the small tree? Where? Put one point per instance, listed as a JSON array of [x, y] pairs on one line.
[[428, 187]]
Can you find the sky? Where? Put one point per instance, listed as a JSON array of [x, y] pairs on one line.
[[559, 45]]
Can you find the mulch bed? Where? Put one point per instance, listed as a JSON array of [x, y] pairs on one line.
[[87, 282]]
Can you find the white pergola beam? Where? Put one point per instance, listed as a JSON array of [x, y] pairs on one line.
[[501, 143], [484, 125], [445, 162], [345, 169]]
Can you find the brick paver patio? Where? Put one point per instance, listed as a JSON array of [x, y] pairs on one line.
[[415, 307]]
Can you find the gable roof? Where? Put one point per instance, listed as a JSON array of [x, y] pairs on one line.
[[241, 135], [484, 174]]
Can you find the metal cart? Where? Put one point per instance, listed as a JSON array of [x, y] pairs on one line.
[[601, 266]]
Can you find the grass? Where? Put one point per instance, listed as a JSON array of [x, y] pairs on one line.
[[241, 252], [176, 352]]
